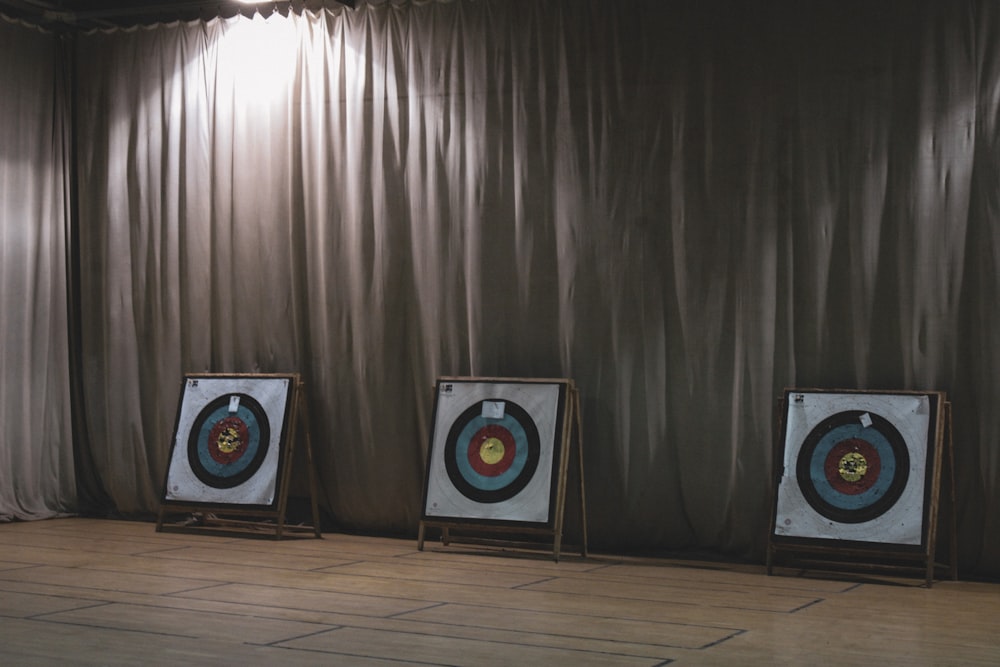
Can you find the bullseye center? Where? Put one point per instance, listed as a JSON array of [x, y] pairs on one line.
[[228, 441], [491, 451], [853, 466]]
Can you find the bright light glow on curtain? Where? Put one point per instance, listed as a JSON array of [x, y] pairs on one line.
[[684, 209], [257, 61]]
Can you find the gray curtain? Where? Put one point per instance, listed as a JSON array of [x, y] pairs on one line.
[[686, 207], [37, 478]]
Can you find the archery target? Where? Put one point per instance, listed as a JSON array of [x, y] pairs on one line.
[[227, 442], [493, 451], [854, 467]]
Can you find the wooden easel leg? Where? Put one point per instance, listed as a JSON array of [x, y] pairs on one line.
[[557, 532], [420, 537], [579, 458], [779, 423], [566, 446], [943, 459], [312, 500], [286, 476], [952, 511], [313, 486]]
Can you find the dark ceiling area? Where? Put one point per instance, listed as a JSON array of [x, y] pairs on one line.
[[91, 14]]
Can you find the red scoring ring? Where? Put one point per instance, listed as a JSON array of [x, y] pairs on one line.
[[476, 442], [831, 467], [242, 438]]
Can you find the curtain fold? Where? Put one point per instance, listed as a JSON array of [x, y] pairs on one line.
[[685, 208]]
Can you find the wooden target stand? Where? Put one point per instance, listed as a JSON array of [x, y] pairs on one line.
[[847, 555], [569, 480], [256, 520]]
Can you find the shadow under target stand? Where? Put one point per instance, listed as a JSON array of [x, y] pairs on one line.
[[505, 456], [233, 451]]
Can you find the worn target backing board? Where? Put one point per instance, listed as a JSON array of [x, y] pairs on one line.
[[228, 440], [857, 467], [495, 448]]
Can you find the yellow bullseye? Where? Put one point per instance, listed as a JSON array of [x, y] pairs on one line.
[[491, 451], [853, 466], [229, 440]]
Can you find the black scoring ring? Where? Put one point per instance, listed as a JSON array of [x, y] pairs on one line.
[[827, 498]]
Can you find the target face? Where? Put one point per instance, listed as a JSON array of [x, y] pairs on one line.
[[490, 460], [493, 451], [850, 470], [855, 467], [227, 443]]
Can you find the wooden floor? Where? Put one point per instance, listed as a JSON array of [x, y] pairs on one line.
[[90, 592]]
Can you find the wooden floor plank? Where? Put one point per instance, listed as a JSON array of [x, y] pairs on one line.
[[191, 625], [728, 596], [484, 577], [438, 650], [249, 557], [87, 579], [654, 633], [299, 598], [714, 577], [26, 605]]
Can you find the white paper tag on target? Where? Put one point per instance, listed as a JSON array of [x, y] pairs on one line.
[[493, 409], [234, 403]]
